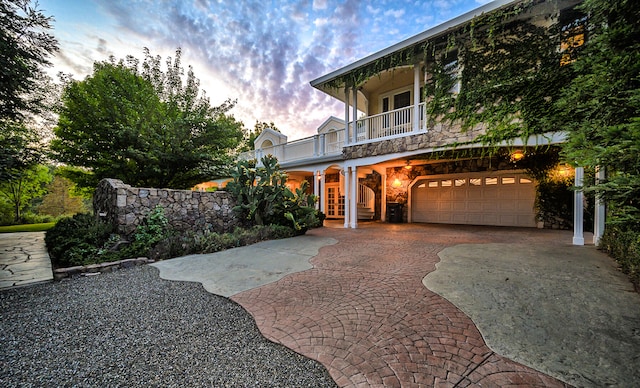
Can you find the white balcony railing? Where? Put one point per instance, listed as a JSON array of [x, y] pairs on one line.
[[391, 124], [388, 124]]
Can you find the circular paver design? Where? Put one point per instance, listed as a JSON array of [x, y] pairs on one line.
[[363, 312]]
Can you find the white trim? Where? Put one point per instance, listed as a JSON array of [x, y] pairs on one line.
[[578, 208]]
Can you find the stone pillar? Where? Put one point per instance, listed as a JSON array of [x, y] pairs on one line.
[[600, 211], [578, 208]]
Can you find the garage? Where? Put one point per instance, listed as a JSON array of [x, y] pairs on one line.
[[502, 198]]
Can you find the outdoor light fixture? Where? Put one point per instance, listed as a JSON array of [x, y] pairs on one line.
[[408, 166], [396, 183], [517, 155], [563, 170]]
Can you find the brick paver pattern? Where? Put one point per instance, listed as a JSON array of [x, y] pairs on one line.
[[364, 313]]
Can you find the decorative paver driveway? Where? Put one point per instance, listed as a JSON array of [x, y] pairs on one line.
[[364, 313]]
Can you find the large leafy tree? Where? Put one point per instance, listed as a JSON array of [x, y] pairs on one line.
[[25, 46], [22, 189], [148, 128], [600, 107]]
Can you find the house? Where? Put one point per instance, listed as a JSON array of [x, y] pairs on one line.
[[395, 157]]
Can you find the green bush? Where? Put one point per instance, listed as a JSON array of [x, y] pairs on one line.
[[263, 198], [186, 243], [623, 244], [84, 240], [76, 240]]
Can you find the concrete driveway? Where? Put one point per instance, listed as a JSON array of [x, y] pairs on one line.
[[435, 305]]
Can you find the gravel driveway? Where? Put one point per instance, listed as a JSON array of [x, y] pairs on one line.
[[130, 328]]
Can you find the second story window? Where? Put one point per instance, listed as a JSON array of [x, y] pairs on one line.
[[573, 35]]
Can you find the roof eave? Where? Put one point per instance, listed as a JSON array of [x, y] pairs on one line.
[[423, 36]]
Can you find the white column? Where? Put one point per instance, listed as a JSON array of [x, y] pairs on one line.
[[353, 198], [316, 187], [600, 215], [578, 209], [346, 116], [323, 144], [323, 191], [355, 115], [416, 97], [383, 200], [347, 185]]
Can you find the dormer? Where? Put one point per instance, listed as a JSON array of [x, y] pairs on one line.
[[269, 138]]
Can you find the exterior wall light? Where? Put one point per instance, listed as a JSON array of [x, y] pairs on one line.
[[517, 155], [396, 183]]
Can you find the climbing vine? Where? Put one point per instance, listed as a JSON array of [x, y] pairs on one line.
[[499, 71]]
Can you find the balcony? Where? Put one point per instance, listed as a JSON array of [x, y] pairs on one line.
[[370, 129], [395, 123]]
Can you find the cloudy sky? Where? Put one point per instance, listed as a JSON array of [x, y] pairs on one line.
[[262, 53]]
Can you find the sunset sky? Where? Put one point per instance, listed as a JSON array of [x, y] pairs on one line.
[[262, 53]]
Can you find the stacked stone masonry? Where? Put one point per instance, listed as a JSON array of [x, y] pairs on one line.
[[439, 136], [125, 207]]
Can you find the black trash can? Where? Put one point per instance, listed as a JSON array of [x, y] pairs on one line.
[[394, 212]]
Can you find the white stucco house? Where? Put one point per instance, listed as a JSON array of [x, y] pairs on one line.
[[384, 159]]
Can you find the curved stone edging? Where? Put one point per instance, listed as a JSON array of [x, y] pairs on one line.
[[86, 270]]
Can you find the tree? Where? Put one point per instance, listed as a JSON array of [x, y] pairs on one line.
[[25, 47], [600, 107], [146, 128], [251, 136], [31, 183], [19, 150], [60, 200]]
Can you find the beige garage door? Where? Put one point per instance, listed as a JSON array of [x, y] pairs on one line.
[[502, 198]]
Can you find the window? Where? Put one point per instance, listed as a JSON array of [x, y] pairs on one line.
[[508, 180], [475, 182], [490, 181], [525, 181], [460, 182], [402, 100], [433, 183], [446, 183], [573, 35], [397, 101]]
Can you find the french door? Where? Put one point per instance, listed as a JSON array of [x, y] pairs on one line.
[[335, 201]]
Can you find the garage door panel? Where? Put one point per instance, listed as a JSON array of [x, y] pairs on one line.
[[474, 199]]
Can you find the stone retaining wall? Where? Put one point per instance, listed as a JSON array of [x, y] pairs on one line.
[[125, 207]]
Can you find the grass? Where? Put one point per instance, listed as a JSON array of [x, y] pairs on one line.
[[27, 228]]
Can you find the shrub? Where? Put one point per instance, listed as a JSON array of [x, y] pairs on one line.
[[74, 241], [83, 240], [263, 198], [623, 244]]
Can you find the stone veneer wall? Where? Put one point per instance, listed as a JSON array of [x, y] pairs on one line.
[[125, 207], [438, 136]]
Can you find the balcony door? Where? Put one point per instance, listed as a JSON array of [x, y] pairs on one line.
[[397, 121], [335, 201]]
